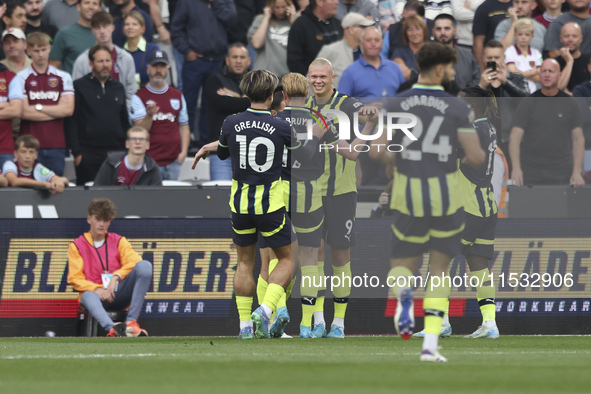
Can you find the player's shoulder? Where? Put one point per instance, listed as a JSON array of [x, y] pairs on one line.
[[26, 73], [52, 71]]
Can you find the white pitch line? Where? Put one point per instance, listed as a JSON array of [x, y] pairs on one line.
[[78, 356]]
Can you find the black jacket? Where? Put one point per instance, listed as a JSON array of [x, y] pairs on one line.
[[307, 36], [220, 107], [100, 117], [107, 175]]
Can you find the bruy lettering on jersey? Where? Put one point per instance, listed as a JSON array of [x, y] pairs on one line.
[[52, 95], [254, 124]]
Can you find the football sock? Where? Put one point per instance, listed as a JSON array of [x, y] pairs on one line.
[[282, 301], [272, 296], [309, 291], [319, 307], [435, 304], [394, 282], [289, 288], [272, 264], [245, 323], [485, 294], [342, 292], [244, 305], [261, 289]]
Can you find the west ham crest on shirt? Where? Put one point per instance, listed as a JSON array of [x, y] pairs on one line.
[[2, 85], [53, 82], [175, 104]]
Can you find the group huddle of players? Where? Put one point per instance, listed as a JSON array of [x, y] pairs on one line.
[[291, 193]]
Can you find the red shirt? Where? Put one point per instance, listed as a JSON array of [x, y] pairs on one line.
[[125, 176]]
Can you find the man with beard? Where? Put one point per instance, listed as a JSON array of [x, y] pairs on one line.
[[428, 218], [100, 118], [60, 13], [70, 42], [224, 98], [162, 110], [34, 9], [467, 68], [573, 63], [124, 7], [579, 13]]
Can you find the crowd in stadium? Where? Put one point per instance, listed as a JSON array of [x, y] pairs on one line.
[[177, 66]]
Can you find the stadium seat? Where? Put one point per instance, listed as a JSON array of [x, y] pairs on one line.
[[89, 325]]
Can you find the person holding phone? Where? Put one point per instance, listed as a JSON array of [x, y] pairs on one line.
[[496, 78]]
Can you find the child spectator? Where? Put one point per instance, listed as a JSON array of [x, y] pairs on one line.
[[26, 172], [521, 58]]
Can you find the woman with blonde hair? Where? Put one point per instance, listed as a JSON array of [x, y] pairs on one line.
[[414, 35], [268, 36], [134, 26]]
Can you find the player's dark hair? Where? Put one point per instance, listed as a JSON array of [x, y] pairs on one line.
[[28, 141], [433, 54], [94, 49], [482, 101], [277, 100], [447, 17], [494, 44], [415, 5], [102, 208], [236, 45], [259, 85], [10, 7], [101, 18]]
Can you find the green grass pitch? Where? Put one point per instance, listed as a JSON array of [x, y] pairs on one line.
[[511, 364]]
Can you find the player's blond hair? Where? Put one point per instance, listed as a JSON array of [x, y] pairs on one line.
[[295, 85], [38, 39], [526, 24], [138, 129], [259, 85], [321, 62]]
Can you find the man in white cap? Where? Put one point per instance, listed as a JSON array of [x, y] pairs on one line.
[[344, 52], [14, 43]]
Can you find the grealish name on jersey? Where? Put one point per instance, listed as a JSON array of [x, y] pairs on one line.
[[254, 124], [426, 101], [33, 95]]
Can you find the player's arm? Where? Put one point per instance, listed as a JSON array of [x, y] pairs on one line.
[[129, 258], [3, 181], [348, 150], [185, 141], [379, 152], [474, 155], [15, 181], [59, 184], [567, 70], [11, 109], [478, 49], [515, 154], [76, 276], [576, 179], [63, 109], [31, 114], [204, 152]]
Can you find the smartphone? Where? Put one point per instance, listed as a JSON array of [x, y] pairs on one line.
[[491, 65]]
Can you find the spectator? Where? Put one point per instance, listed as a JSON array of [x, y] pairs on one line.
[[268, 36], [432, 8], [579, 13], [521, 58], [15, 16], [12, 98], [132, 168], [371, 75], [395, 33], [246, 11], [123, 69], [553, 11], [315, 28], [162, 110], [191, 22], [344, 52], [133, 27], [415, 35], [467, 69], [573, 63], [123, 8], [583, 94], [3, 180], [500, 81], [24, 171], [463, 12], [367, 8], [224, 97], [71, 41], [488, 15], [34, 10], [48, 100], [505, 32], [100, 118], [547, 144], [108, 273], [14, 44], [60, 13]]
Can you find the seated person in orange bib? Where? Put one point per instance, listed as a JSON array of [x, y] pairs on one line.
[[108, 273]]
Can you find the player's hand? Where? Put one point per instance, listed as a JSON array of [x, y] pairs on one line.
[[576, 180], [517, 177], [192, 56], [384, 200], [58, 187], [152, 109], [267, 13], [77, 160], [486, 78], [566, 55], [291, 13], [164, 35], [512, 11], [318, 131], [181, 157], [105, 295], [371, 112], [202, 154]]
